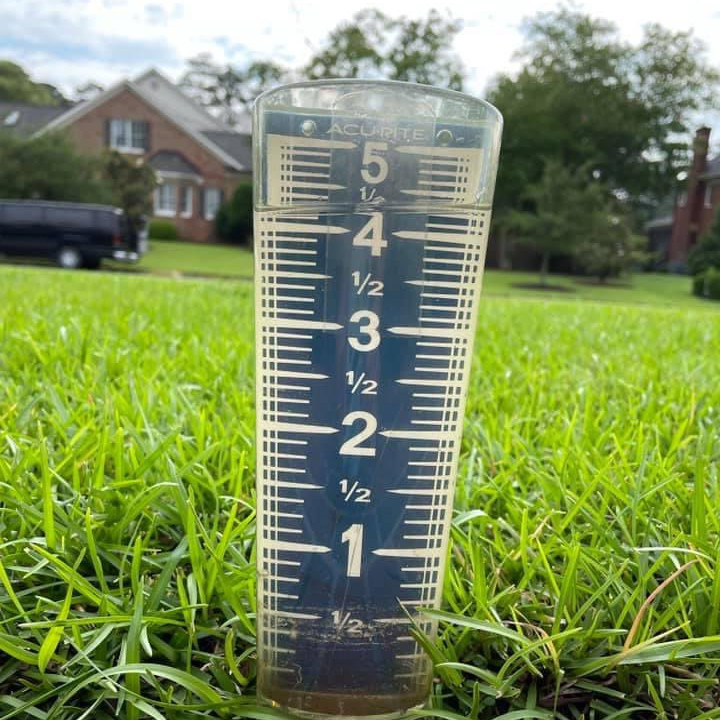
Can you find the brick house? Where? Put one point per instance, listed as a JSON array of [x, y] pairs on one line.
[[696, 204], [197, 159]]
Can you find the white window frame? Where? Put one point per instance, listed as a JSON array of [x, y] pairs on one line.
[[165, 211], [127, 134], [188, 193], [218, 194]]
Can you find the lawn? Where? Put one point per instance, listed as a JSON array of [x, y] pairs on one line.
[[584, 574], [167, 257]]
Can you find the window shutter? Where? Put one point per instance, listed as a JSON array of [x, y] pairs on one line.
[[107, 132], [201, 202], [147, 135]]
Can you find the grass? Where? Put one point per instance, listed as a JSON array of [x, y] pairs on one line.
[[584, 574], [224, 260]]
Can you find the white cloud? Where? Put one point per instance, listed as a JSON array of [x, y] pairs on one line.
[[69, 41]]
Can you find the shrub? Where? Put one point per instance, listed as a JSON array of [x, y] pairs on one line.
[[234, 221], [706, 254], [163, 230], [707, 284]]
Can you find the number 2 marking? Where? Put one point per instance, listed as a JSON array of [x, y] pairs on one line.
[[352, 446]]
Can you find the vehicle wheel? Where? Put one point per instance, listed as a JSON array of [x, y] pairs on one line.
[[69, 258]]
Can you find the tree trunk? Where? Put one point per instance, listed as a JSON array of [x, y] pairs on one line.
[[544, 267]]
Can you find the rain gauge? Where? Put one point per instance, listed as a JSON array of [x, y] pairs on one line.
[[372, 210]]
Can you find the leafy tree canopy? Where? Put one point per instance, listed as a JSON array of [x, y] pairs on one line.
[[16, 85], [375, 45], [588, 99], [228, 89]]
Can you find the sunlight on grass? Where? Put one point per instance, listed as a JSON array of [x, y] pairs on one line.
[[588, 479]]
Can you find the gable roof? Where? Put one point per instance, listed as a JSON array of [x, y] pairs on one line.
[[164, 97], [239, 145], [23, 119], [170, 161]]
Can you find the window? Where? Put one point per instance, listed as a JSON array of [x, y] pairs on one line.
[[213, 198], [128, 135], [186, 201], [708, 196], [68, 218], [166, 200]]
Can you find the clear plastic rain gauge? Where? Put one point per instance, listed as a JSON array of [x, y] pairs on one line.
[[372, 212]]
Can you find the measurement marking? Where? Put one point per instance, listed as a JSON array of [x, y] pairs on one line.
[[451, 273], [427, 477], [285, 441], [293, 361], [294, 401], [436, 356], [428, 395], [411, 656], [425, 536], [424, 408], [298, 501], [299, 471], [285, 226], [420, 507], [292, 615], [284, 596], [289, 238], [437, 283], [294, 336], [294, 486], [279, 386], [278, 251], [294, 374], [290, 286], [295, 547], [295, 427], [423, 331], [274, 513], [291, 348], [289, 414], [417, 435], [394, 621], [295, 531], [429, 235], [271, 274], [419, 491], [286, 651], [281, 311], [294, 298], [424, 368], [305, 324], [425, 343], [414, 522], [426, 422], [408, 552], [452, 309], [282, 578], [430, 383]]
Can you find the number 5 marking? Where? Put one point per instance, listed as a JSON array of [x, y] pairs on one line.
[[370, 158]]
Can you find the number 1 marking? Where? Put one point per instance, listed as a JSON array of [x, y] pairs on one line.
[[354, 537]]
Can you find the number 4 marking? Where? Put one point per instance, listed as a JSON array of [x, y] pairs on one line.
[[371, 235]]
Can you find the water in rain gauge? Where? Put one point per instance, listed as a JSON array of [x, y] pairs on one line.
[[372, 213]]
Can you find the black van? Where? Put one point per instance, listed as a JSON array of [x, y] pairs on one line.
[[72, 234]]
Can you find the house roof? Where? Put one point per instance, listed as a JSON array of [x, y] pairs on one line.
[[239, 145], [712, 170], [165, 97], [170, 161], [23, 119]]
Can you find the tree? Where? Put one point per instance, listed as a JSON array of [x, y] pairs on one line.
[[374, 45], [706, 254], [226, 89], [234, 221], [565, 213], [587, 99], [49, 168], [16, 85], [131, 185], [609, 248]]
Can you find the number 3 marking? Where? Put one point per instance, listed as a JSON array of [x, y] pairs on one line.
[[370, 328]]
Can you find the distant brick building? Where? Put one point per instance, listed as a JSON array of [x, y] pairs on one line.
[[197, 159], [696, 204]]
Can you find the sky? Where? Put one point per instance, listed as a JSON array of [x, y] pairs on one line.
[[68, 42]]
